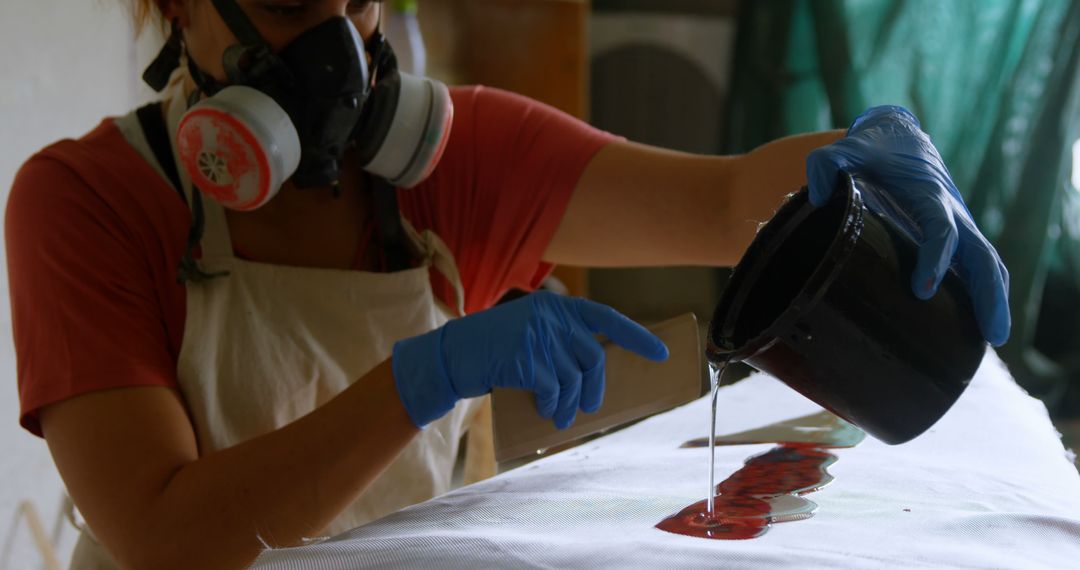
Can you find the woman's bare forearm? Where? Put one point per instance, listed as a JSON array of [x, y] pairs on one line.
[[293, 482], [637, 205], [218, 510], [761, 179]]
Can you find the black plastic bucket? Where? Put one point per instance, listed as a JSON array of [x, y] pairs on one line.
[[822, 300]]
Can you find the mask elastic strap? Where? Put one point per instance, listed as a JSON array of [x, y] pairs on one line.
[[251, 59], [388, 216], [204, 81], [383, 58], [378, 20], [159, 71], [239, 23], [384, 194], [188, 270]]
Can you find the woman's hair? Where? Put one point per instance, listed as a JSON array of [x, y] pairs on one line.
[[147, 12]]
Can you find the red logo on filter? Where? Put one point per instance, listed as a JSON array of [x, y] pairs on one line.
[[223, 158]]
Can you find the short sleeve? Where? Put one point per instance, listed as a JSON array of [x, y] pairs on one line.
[[85, 314], [501, 189]]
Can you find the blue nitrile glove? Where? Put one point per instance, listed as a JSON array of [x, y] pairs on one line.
[[887, 147], [542, 342]]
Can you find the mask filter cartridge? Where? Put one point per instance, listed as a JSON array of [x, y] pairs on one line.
[[238, 146], [407, 147]]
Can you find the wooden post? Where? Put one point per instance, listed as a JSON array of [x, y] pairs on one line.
[[538, 48]]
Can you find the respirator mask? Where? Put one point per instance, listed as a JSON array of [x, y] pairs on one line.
[[294, 113]]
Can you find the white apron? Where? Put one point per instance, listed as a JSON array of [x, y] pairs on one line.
[[268, 344]]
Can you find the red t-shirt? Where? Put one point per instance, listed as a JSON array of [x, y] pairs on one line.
[[94, 236]]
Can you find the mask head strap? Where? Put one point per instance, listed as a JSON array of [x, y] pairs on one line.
[[250, 58], [239, 23], [383, 60], [384, 194], [204, 82], [159, 71]]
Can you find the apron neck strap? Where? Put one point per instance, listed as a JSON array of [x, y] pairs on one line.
[[436, 254], [392, 237], [215, 240]]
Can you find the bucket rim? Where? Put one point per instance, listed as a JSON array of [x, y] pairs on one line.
[[757, 257]]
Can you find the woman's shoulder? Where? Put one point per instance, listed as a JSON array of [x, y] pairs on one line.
[[482, 106], [101, 152], [97, 171], [102, 197], [57, 176]]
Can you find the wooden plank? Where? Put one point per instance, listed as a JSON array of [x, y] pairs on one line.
[[480, 446]]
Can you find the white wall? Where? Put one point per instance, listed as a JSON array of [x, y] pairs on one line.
[[64, 65]]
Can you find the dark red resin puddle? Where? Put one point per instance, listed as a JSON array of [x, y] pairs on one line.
[[760, 493]]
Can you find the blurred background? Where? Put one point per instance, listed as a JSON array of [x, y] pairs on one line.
[[995, 82]]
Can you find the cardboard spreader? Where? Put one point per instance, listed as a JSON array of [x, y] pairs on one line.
[[635, 387]]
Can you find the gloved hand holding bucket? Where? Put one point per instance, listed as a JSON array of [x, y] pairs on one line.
[[871, 292], [886, 146]]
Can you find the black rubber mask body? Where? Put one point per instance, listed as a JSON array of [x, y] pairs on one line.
[[320, 80], [331, 76]]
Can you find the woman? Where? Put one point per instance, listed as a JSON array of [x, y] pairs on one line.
[[291, 386]]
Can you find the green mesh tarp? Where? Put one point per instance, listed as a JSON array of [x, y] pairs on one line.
[[996, 83]]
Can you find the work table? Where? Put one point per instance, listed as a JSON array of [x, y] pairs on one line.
[[988, 486]]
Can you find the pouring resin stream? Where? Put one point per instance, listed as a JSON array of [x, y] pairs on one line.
[[764, 491]]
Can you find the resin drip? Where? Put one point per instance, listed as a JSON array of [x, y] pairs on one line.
[[762, 492]]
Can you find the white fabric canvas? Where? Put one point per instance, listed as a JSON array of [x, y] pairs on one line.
[[989, 486]]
